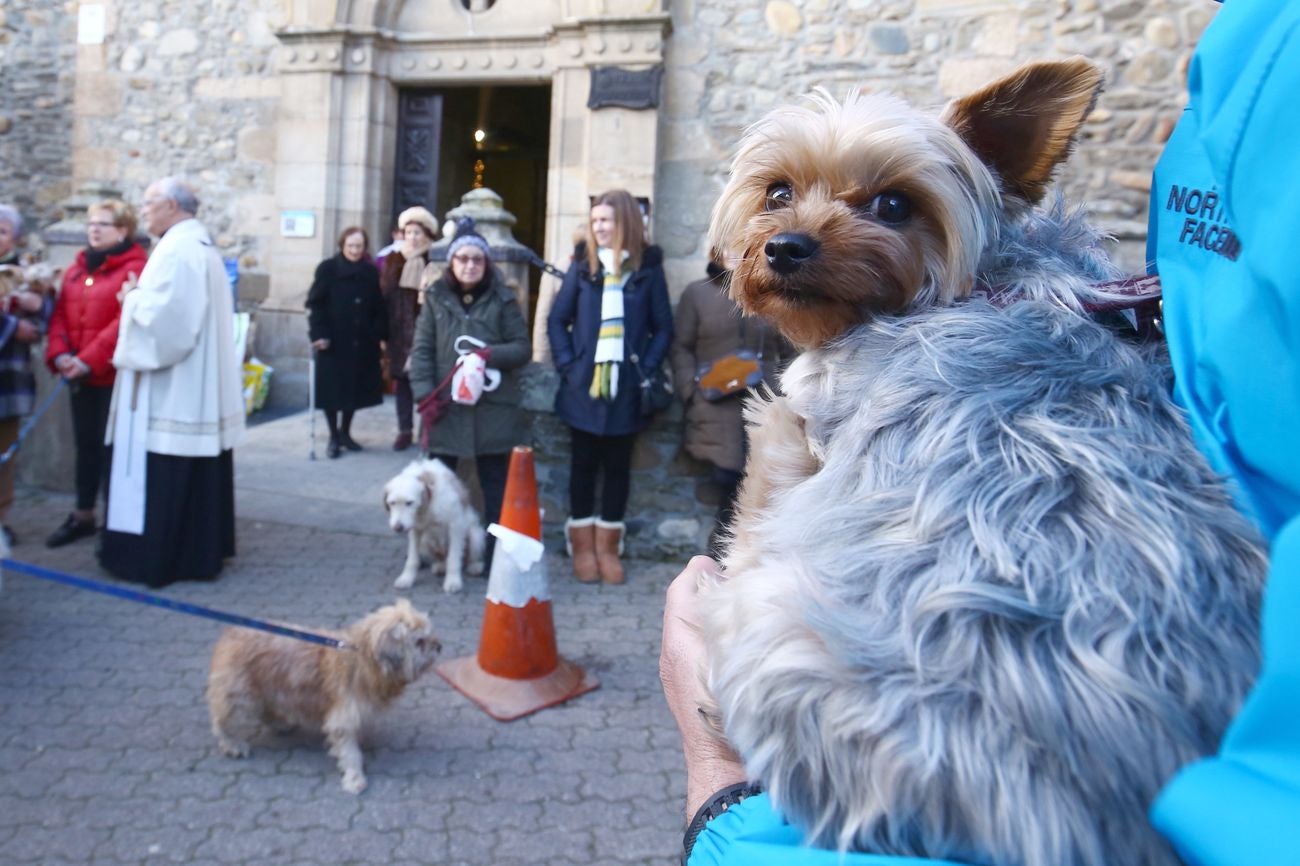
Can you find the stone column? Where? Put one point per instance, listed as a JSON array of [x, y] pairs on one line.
[[593, 150], [330, 163], [493, 222]]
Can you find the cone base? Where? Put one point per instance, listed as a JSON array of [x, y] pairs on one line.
[[505, 699]]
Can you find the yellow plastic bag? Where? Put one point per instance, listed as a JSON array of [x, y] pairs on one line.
[[257, 384]]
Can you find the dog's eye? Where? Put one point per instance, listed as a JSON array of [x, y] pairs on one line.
[[891, 206], [779, 195]]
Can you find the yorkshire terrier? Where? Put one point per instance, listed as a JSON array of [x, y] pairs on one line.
[[258, 678], [38, 279], [985, 595]]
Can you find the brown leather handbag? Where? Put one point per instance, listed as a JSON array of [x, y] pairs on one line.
[[731, 374]]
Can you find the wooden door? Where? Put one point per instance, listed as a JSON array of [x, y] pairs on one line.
[[419, 135]]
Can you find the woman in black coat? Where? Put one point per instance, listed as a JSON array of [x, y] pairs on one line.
[[346, 322]]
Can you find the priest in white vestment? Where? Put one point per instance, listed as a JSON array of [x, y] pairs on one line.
[[177, 409]]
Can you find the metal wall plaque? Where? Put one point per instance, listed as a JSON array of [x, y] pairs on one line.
[[625, 88]]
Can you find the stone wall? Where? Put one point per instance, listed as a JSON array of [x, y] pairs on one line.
[[37, 63], [728, 61], [670, 511], [187, 89]]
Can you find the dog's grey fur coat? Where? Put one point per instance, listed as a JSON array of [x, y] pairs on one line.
[[1011, 601]]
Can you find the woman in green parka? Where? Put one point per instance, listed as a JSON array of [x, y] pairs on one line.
[[471, 299]]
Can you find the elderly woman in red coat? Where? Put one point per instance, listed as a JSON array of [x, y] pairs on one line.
[[82, 337]]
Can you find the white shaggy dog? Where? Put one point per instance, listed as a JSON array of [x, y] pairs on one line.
[[427, 501]]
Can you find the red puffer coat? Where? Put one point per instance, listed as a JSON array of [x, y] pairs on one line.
[[86, 314]]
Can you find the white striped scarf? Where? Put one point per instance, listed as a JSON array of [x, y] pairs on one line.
[[609, 340]]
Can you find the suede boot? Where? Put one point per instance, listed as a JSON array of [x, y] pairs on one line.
[[609, 547], [580, 541]]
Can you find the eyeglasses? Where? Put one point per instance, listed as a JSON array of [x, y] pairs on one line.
[[100, 224], [477, 261]]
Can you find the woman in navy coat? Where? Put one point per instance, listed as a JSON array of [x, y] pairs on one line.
[[610, 328]]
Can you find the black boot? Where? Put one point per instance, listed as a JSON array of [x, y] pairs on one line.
[[334, 449], [345, 433], [73, 529]]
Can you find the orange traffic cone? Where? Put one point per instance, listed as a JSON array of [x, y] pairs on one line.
[[517, 670]]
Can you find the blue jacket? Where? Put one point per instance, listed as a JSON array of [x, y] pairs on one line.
[[573, 324], [1232, 315]]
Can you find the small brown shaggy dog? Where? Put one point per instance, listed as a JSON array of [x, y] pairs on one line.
[[259, 678]]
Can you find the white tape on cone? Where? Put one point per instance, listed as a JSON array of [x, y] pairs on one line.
[[518, 570]]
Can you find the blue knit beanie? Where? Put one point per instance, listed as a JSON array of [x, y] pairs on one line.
[[467, 237]]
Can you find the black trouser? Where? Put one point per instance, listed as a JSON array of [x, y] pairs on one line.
[[405, 405], [89, 420], [492, 471], [593, 455]]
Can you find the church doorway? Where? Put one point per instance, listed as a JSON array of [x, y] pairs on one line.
[[453, 139]]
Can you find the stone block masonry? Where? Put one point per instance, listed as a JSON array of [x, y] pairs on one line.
[[729, 61], [37, 75]]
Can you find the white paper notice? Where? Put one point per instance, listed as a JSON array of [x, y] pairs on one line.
[[91, 21]]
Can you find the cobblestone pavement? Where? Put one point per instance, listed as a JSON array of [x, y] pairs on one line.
[[106, 755]]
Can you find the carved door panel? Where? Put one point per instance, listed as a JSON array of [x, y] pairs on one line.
[[419, 132]]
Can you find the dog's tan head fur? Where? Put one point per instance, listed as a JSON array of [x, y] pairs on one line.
[[842, 211], [39, 277], [11, 279], [399, 640]]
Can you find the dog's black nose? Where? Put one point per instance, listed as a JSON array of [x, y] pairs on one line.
[[788, 251]]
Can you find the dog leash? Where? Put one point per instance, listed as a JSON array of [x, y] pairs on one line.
[[32, 419], [171, 603]]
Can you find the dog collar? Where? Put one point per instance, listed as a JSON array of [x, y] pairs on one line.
[[1125, 294], [1139, 294]]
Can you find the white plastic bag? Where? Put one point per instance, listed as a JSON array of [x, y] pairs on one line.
[[472, 376]]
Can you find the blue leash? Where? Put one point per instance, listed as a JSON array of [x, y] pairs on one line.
[[31, 421], [170, 603]]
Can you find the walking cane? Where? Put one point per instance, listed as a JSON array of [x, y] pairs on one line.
[[311, 398]]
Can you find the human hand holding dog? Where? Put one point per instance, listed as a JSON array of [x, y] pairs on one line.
[[710, 764], [26, 332], [29, 301]]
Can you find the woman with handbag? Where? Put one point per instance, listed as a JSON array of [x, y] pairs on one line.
[[610, 328], [470, 305], [717, 357]]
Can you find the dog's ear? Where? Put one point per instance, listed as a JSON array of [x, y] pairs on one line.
[[384, 495], [391, 651], [427, 483], [1023, 126]]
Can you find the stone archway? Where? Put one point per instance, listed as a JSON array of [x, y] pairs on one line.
[[339, 67]]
